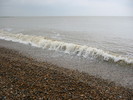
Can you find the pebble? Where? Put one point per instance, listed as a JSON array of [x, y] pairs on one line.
[[31, 80]]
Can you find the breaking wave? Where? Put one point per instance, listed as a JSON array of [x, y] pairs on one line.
[[69, 48]]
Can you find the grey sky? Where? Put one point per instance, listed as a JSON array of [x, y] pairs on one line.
[[66, 7]]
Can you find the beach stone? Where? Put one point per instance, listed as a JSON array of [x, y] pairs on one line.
[[23, 78]]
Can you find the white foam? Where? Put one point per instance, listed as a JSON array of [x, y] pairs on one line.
[[69, 48]]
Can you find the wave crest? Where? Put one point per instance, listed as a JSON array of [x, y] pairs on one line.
[[69, 48]]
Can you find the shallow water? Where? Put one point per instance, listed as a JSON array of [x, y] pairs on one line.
[[100, 46], [109, 34]]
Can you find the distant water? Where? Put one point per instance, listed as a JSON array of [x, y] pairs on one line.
[[107, 39]]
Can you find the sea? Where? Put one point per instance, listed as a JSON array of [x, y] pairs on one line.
[[97, 45]]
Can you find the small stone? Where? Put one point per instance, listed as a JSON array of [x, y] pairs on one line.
[[82, 95]]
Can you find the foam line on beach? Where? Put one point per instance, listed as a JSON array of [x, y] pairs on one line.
[[69, 48]]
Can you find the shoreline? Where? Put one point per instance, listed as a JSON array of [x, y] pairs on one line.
[[23, 77], [120, 75]]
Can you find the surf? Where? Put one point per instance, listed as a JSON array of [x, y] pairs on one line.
[[68, 48]]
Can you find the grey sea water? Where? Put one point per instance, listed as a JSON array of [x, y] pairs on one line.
[[100, 46], [113, 34]]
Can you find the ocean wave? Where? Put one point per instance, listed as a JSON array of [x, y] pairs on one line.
[[69, 48]]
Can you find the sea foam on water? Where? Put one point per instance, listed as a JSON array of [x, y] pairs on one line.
[[69, 48]]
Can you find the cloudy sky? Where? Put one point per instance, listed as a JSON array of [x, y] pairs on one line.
[[66, 7]]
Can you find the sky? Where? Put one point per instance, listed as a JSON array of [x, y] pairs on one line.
[[66, 7]]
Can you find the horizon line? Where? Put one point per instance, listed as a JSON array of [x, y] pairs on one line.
[[64, 16]]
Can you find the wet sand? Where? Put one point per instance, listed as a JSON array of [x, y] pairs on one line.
[[22, 77]]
